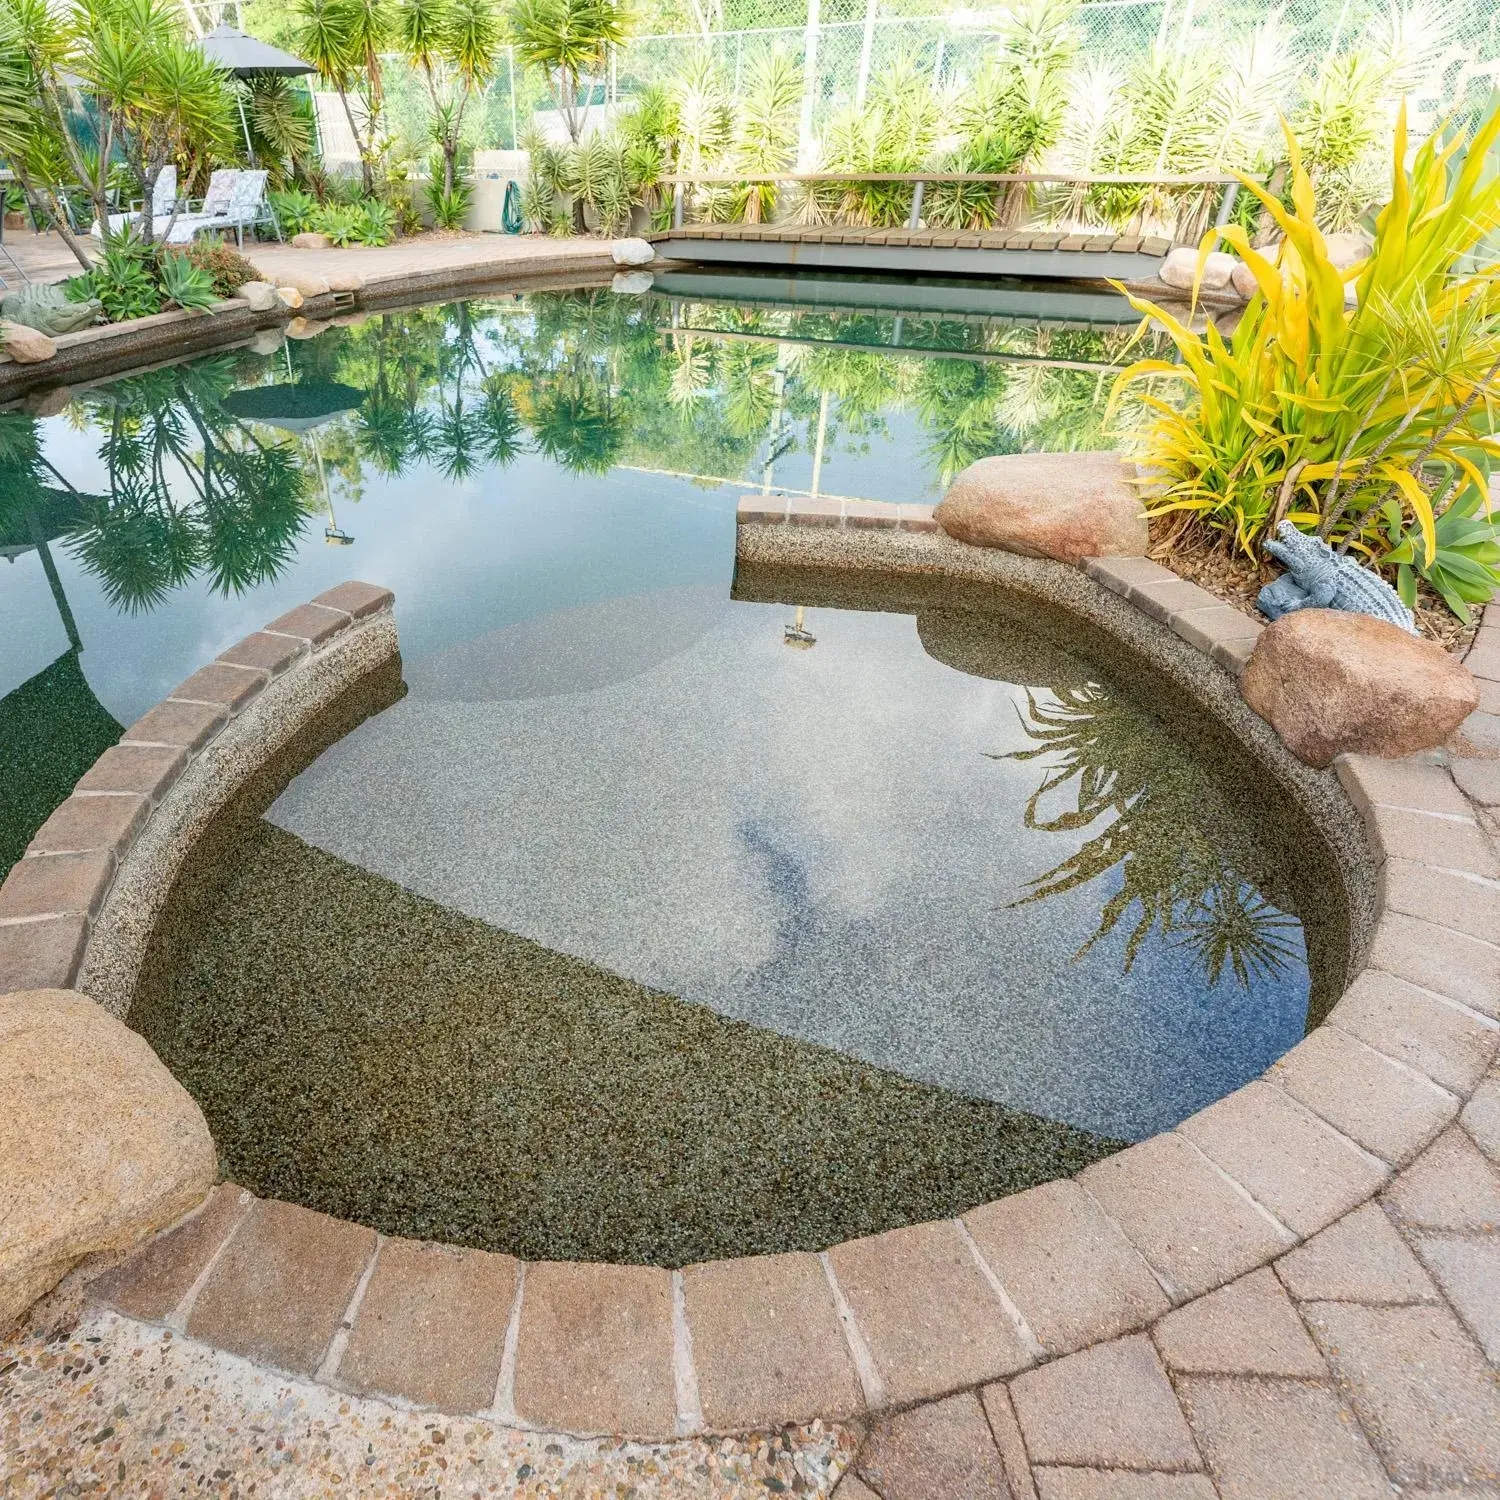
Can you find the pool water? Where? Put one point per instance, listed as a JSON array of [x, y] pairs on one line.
[[650, 910]]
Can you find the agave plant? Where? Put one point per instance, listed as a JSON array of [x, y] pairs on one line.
[[1328, 414]]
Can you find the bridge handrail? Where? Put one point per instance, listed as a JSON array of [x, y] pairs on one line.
[[1095, 179]]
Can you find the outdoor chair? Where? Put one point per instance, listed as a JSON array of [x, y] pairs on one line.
[[235, 200], [163, 197]]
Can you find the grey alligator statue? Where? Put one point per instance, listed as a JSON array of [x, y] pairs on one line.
[[1317, 577], [48, 310]]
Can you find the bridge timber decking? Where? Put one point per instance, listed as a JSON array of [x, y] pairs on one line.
[[1029, 254]]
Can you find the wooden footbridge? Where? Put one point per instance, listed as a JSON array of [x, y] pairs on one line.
[[918, 248]]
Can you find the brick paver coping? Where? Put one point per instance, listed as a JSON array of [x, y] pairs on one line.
[[1112, 1335]]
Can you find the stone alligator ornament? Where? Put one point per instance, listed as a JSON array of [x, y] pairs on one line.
[[1317, 577], [48, 310]]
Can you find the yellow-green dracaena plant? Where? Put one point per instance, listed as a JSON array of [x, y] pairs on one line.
[[1322, 411]]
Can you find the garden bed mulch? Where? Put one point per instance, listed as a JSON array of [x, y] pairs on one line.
[[1237, 581]]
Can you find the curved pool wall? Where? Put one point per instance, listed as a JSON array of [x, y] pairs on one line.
[[915, 1313]]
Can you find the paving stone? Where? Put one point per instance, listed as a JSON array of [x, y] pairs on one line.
[[148, 769], [1359, 1259], [761, 510], [1481, 1118], [1246, 1328], [273, 653], [431, 1326], [42, 955], [930, 1319], [222, 686], [1106, 1407], [1450, 843], [1189, 1223], [1467, 1268], [1210, 629], [313, 623], [1164, 598], [78, 824], [1281, 1440], [1121, 574], [1450, 1186], [278, 1292], [1120, 1484], [1073, 1275], [1451, 1045], [1437, 958], [943, 1449], [189, 726], [1373, 780], [53, 884], [595, 1352], [1479, 780], [1284, 1156], [1420, 1386], [1389, 1110], [871, 513], [1445, 897], [767, 1342], [155, 1279], [1007, 1434], [918, 518], [357, 599]]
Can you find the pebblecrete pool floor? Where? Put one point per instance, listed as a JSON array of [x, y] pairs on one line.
[[633, 932]]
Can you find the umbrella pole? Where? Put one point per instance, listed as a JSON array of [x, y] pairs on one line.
[[239, 99]]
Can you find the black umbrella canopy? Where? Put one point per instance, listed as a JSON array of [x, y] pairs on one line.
[[293, 407], [246, 56]]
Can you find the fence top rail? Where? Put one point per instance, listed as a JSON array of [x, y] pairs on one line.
[[1083, 179]]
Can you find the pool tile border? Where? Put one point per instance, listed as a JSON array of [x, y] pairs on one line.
[[42, 943], [1047, 1280]]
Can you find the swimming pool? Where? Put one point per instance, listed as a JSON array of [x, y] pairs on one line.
[[658, 910]]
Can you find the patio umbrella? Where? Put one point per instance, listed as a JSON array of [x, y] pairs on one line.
[[245, 57]]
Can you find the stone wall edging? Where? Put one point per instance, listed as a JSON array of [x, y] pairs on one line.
[[916, 1313], [121, 348], [79, 907]]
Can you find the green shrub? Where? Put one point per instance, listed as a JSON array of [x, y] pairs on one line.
[[123, 280], [226, 267], [294, 209], [182, 282], [449, 210], [375, 222], [339, 221]]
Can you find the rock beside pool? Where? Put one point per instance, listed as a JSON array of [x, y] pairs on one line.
[[101, 1145], [631, 283], [633, 252], [1180, 269], [261, 296], [306, 283], [345, 281], [1242, 279], [290, 296], [25, 345], [1068, 506], [1329, 681]]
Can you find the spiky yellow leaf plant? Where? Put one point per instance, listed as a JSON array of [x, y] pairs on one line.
[[1330, 413]]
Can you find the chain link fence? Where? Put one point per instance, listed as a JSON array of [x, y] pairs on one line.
[[841, 53]]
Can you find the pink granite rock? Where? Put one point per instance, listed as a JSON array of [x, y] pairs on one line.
[[1063, 505], [1329, 681]]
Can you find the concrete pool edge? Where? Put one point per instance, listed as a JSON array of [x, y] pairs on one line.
[[869, 1326]]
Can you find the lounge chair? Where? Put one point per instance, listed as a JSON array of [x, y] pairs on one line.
[[163, 196], [235, 200]]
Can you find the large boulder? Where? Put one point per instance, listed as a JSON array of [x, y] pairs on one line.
[[310, 239], [99, 1145], [1348, 246], [1064, 505], [345, 281], [1180, 269], [25, 345], [1328, 681], [632, 252], [1242, 280], [305, 282]]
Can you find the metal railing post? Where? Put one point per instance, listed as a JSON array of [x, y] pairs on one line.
[[1226, 205], [677, 205], [915, 221]]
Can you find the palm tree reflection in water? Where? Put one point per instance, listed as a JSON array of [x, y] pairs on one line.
[[1176, 877]]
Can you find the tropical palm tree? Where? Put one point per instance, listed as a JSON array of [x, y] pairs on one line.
[[568, 40]]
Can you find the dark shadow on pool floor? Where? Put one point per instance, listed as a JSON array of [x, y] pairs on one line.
[[370, 1053]]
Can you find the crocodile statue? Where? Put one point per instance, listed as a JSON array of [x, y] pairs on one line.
[[1317, 577], [48, 309]]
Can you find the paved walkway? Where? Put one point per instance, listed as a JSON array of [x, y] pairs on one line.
[[44, 257]]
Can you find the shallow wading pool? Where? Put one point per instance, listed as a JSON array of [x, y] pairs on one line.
[[648, 910]]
